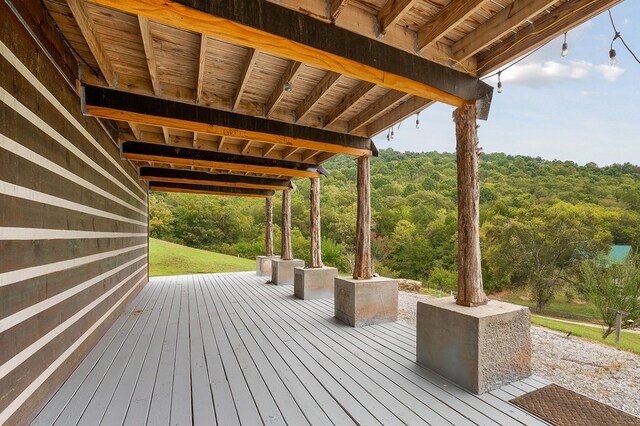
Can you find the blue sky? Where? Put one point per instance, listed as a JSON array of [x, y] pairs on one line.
[[576, 108]]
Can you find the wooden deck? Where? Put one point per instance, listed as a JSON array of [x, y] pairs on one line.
[[229, 349]]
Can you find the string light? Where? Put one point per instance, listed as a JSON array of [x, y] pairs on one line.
[[287, 87], [389, 135], [616, 35], [417, 120], [565, 47], [392, 136], [499, 82]]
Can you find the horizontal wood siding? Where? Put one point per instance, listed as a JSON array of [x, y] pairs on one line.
[[73, 220]]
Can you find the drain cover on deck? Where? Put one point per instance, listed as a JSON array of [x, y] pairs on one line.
[[563, 407]]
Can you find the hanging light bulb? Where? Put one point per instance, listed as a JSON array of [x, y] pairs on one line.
[[417, 120], [612, 57], [565, 47], [389, 135], [392, 133], [499, 82]]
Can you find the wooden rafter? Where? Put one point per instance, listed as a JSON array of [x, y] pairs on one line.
[[335, 7], [245, 147], [376, 109], [268, 149], [92, 38], [319, 91], [152, 66], [165, 133], [135, 129], [286, 33], [249, 63], [544, 29], [449, 17], [361, 90], [308, 155], [412, 105], [195, 139], [202, 59], [391, 13], [288, 152], [221, 143], [288, 77], [161, 174], [209, 189], [123, 106], [499, 25]]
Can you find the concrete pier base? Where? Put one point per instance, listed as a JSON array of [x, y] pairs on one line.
[[366, 302], [480, 348], [282, 270], [263, 265], [314, 283]]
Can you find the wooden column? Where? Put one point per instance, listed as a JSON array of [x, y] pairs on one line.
[[268, 231], [362, 268], [287, 252], [316, 240], [470, 290]]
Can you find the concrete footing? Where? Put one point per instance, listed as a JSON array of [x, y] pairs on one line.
[[314, 283], [480, 348], [282, 270], [366, 302], [263, 265]]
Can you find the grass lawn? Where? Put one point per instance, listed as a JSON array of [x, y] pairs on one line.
[[628, 341], [558, 307], [173, 259]]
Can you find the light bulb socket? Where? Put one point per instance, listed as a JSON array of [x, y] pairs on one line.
[[499, 87], [612, 57], [287, 87], [565, 49], [417, 124]]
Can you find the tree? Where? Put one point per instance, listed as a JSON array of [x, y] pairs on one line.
[[612, 288], [160, 217], [543, 246]]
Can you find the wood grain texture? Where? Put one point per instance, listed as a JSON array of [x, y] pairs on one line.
[[450, 16], [268, 227], [314, 221], [470, 288], [286, 249], [363, 268], [158, 174]]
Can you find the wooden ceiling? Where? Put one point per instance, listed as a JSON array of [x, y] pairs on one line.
[[351, 67]]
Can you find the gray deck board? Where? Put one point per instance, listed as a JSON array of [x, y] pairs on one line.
[[228, 349]]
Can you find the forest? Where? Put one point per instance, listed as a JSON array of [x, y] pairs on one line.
[[540, 219]]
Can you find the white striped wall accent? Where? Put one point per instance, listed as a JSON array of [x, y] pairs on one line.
[[17, 106], [35, 309], [28, 234], [24, 152], [13, 190], [24, 71], [16, 403], [12, 277]]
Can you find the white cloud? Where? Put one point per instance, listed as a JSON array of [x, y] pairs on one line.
[[537, 74], [610, 72]]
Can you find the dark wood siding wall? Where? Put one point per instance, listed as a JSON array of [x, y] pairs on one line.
[[73, 225]]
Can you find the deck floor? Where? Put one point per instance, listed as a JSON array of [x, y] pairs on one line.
[[229, 349]]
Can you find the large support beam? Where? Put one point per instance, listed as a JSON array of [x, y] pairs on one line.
[[159, 174], [283, 32], [470, 289], [452, 15], [316, 239], [194, 157], [362, 269], [286, 251], [544, 29], [268, 228], [122, 106], [209, 190]]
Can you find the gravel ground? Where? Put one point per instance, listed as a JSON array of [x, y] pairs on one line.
[[601, 372]]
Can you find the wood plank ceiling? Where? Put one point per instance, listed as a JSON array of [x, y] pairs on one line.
[[142, 54]]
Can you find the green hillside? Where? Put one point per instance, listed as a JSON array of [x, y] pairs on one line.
[[173, 259]]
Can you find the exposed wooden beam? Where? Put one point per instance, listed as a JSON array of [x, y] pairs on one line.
[[314, 222], [122, 106], [194, 157], [221, 143], [286, 252], [246, 146], [322, 88], [268, 228], [449, 17], [268, 149], [288, 77], [412, 105], [309, 155], [324, 156], [165, 134], [202, 60], [376, 109], [391, 13], [283, 32], [92, 38], [135, 129], [209, 190], [499, 25], [152, 65], [249, 63], [288, 152], [195, 139], [544, 29], [160, 174], [362, 89], [362, 266], [335, 7]]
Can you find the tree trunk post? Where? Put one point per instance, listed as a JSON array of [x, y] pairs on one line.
[[287, 253], [618, 325], [268, 228], [316, 240], [362, 268], [470, 289]]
